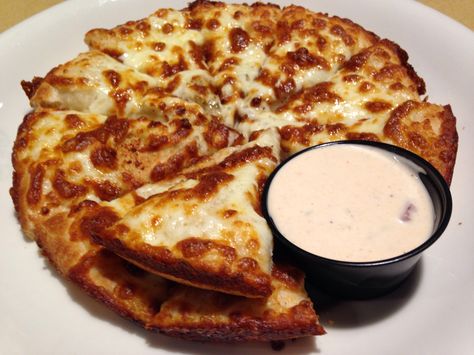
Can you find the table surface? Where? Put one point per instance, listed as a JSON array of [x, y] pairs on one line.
[[15, 11]]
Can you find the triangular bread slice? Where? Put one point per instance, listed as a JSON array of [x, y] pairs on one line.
[[94, 82], [206, 230], [195, 314], [374, 96]]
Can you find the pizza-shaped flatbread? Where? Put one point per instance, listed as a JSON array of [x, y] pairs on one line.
[[140, 168]]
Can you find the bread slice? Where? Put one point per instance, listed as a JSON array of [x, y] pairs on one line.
[[375, 95], [206, 230], [195, 314]]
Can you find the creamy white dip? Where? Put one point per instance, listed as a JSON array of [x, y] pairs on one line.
[[351, 203]]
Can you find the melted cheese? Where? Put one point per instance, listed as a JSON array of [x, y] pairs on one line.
[[175, 212]]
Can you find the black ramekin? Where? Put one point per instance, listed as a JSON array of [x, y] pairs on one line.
[[367, 279]]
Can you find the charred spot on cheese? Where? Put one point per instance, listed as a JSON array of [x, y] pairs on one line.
[[396, 86], [172, 69], [305, 60], [175, 163], [197, 54], [356, 62], [113, 77], [194, 24], [44, 211], [283, 32], [208, 48], [83, 205], [321, 93], [285, 89], [351, 78], [208, 185], [197, 247], [377, 106], [228, 63], [117, 128], [321, 43], [297, 24], [106, 190], [173, 84], [229, 213], [35, 189], [239, 39], [261, 28], [78, 143], [300, 134], [213, 24], [158, 46], [23, 135], [256, 101], [121, 98], [336, 128], [183, 129], [366, 86], [59, 80], [73, 121], [266, 78], [340, 32], [65, 188], [316, 94], [247, 155], [387, 72], [157, 142], [125, 31], [217, 135], [143, 26], [104, 158], [167, 28], [200, 89]]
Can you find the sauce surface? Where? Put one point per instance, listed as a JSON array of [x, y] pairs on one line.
[[352, 203]]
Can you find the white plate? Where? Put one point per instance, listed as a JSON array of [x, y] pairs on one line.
[[433, 313]]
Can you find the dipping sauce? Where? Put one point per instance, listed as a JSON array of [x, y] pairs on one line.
[[351, 202]]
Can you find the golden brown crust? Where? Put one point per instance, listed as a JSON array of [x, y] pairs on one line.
[[297, 322], [293, 323], [189, 270], [427, 130], [153, 302]]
